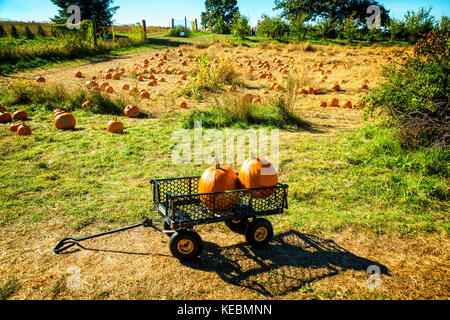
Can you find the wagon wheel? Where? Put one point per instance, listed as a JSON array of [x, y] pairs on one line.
[[237, 226], [259, 232], [185, 244]]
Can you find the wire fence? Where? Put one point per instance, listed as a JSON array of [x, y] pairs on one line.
[[191, 25]]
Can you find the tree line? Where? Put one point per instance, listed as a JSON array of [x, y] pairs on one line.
[[344, 19]]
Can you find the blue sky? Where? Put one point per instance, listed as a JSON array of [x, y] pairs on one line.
[[161, 12]]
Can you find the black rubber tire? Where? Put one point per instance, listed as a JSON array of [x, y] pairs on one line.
[[239, 227], [259, 233], [185, 244]]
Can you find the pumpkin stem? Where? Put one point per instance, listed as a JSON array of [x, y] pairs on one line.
[[217, 163]]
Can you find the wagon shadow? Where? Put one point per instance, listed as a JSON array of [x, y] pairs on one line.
[[291, 261]]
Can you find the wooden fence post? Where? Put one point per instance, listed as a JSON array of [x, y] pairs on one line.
[[94, 29], [185, 23], [196, 25], [145, 28], [173, 23]]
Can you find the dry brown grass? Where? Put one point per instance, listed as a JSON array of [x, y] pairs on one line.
[[137, 265]]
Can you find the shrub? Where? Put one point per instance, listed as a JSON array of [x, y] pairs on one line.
[[272, 27], [210, 77], [415, 95], [175, 32]]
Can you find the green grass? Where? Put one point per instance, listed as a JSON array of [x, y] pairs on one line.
[[360, 180]]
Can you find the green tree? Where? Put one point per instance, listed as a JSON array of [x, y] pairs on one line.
[[396, 29], [28, 33], [100, 8], [298, 26], [338, 10], [350, 29], [240, 26], [40, 31], [219, 14], [443, 26], [13, 32], [2, 32], [272, 27], [418, 24], [325, 27]]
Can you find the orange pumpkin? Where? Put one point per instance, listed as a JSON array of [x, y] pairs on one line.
[[218, 179], [24, 130], [114, 126], [335, 87], [132, 111], [345, 104], [322, 104], [258, 173], [144, 95], [363, 86], [78, 74], [40, 79], [20, 115], [65, 121], [333, 102], [182, 104], [5, 117], [126, 87], [86, 104], [14, 126]]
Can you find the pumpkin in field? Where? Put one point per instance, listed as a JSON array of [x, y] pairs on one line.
[[345, 104], [363, 86], [114, 126], [359, 104], [317, 91], [258, 173], [78, 74], [144, 95], [302, 91], [14, 126], [256, 100], [218, 179], [109, 89], [182, 104], [20, 115], [335, 87], [65, 121], [309, 90], [132, 111], [103, 86], [248, 96], [333, 102], [40, 79], [24, 130], [322, 104], [86, 104], [5, 117], [278, 88], [126, 87]]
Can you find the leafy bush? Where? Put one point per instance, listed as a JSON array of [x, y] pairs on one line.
[[210, 77], [418, 24], [175, 32], [415, 95]]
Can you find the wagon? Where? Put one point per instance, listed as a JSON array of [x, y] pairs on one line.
[[181, 209]]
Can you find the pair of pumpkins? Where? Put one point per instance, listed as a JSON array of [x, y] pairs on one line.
[[254, 173]]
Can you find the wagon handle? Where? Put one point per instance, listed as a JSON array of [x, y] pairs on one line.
[[69, 242]]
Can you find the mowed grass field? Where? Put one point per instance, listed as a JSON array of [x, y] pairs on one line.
[[356, 198]]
